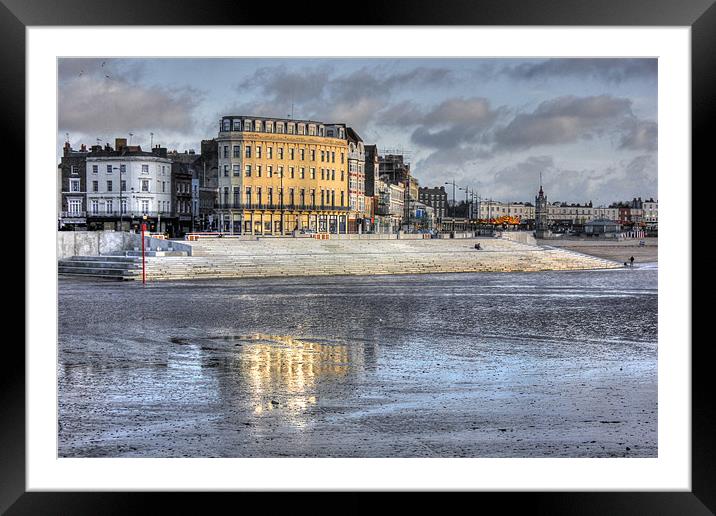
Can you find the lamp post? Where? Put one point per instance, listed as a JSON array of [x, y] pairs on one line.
[[453, 202]]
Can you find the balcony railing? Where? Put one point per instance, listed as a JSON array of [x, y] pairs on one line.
[[128, 214], [73, 214], [279, 207]]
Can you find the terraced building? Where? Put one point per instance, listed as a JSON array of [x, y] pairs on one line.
[[281, 175]]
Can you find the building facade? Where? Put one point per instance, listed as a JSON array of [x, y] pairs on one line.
[[72, 200], [436, 198], [126, 186], [356, 183], [281, 175]]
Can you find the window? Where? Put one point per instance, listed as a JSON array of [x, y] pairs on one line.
[[280, 171], [333, 175], [109, 186], [237, 151], [303, 154], [145, 169], [301, 128], [333, 157], [226, 170], [123, 185], [247, 125], [343, 175], [313, 154], [95, 206], [291, 153], [227, 124], [248, 170], [110, 206], [291, 128], [164, 186], [237, 125], [291, 171], [280, 153], [109, 169], [248, 196], [95, 186], [247, 151], [145, 205], [303, 173], [73, 169], [269, 127], [342, 158], [226, 151], [323, 155], [74, 185], [74, 206], [313, 173], [279, 127], [258, 196], [269, 153], [270, 196], [237, 170], [258, 151], [269, 171], [95, 169], [258, 170], [145, 185], [123, 169], [322, 175]]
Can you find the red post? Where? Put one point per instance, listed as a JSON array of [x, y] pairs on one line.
[[144, 278]]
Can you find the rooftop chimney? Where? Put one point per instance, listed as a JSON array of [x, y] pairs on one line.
[[120, 143]]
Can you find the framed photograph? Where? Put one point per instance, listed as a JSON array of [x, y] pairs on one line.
[[414, 256]]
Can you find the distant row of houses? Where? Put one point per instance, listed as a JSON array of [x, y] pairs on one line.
[[275, 176]]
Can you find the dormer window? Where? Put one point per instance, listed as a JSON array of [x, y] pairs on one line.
[[237, 125], [227, 124], [247, 125]]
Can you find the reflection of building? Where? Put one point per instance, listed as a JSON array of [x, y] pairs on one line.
[[292, 369], [280, 175]]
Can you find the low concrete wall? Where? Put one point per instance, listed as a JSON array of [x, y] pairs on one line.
[[95, 243], [523, 237]]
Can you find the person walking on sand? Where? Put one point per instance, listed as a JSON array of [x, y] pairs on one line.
[[631, 260]]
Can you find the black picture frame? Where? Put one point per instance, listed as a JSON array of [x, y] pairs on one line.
[[700, 15]]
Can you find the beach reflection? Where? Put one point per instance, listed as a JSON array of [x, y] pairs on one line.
[[283, 375]]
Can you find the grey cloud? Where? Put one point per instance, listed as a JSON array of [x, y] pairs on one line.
[[623, 180], [640, 135], [564, 120], [121, 70], [317, 92], [107, 106], [284, 85], [606, 69]]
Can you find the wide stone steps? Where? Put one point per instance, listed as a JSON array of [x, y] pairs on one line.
[[227, 258], [108, 267], [367, 264]]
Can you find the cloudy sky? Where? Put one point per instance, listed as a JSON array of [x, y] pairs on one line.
[[589, 125]]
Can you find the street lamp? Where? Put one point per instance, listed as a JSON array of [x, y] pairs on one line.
[[453, 202]]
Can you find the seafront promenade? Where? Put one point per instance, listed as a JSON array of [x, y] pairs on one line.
[[279, 257]]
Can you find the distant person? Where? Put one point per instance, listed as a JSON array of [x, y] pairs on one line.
[[477, 246], [632, 261]]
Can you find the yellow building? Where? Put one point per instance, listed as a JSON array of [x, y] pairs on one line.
[[280, 175]]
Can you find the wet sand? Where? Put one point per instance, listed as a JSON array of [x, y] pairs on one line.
[[559, 364], [617, 251]]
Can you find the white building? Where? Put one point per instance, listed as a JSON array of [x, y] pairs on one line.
[[127, 184]]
